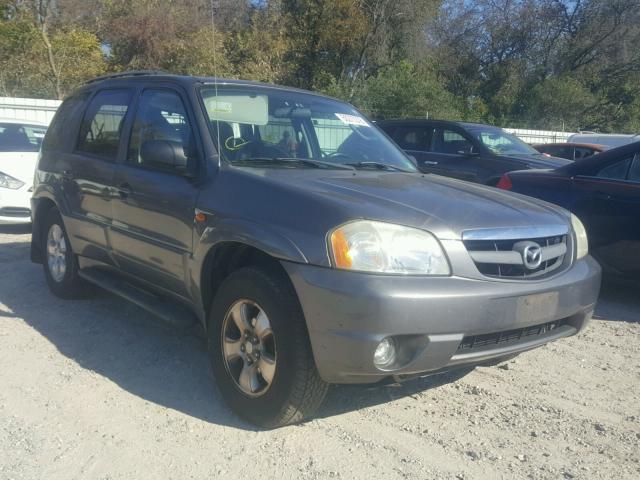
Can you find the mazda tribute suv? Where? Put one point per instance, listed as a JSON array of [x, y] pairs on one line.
[[301, 239]]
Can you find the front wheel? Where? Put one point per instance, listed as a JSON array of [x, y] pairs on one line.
[[260, 351]]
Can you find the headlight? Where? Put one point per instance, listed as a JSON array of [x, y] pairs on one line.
[[582, 243], [369, 246], [7, 181]]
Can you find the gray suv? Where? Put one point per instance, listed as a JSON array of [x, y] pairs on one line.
[[304, 241]]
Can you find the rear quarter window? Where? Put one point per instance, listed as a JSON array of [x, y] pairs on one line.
[[617, 170], [67, 116]]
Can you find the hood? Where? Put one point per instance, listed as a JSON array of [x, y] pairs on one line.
[[20, 165], [540, 161], [319, 200]]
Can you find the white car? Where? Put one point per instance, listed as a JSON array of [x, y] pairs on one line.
[[19, 146]]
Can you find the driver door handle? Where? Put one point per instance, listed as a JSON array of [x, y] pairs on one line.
[[430, 162]]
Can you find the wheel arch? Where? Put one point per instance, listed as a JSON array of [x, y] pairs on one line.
[[41, 207], [226, 257]]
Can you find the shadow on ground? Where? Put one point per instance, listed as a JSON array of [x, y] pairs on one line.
[[125, 344], [345, 398], [619, 301]]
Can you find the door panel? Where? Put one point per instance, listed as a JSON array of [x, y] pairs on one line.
[[153, 224], [610, 209], [153, 209], [449, 155], [88, 174], [414, 140]]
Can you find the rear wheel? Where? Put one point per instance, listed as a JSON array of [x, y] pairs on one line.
[[60, 263], [260, 351]]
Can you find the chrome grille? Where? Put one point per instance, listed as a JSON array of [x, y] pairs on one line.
[[519, 257]]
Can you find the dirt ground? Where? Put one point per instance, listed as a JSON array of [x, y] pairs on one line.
[[96, 389]]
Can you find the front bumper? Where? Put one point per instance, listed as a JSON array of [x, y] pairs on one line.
[[349, 313], [15, 205]]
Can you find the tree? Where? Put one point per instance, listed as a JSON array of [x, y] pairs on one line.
[[38, 59], [403, 90]]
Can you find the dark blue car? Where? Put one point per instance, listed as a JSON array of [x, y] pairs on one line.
[[604, 192]]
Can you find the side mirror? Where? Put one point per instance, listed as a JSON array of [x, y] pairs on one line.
[[164, 154]]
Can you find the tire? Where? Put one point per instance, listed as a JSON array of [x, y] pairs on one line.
[[295, 390], [63, 282]]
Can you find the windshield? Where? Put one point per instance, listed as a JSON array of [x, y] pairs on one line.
[[17, 137], [251, 124], [501, 142]]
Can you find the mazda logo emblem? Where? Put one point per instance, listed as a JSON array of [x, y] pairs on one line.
[[531, 254]]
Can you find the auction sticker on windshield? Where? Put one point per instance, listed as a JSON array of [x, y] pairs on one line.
[[352, 120]]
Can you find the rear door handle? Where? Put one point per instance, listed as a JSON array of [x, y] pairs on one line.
[[430, 162], [124, 190]]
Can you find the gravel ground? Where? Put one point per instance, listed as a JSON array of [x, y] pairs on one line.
[[97, 389]]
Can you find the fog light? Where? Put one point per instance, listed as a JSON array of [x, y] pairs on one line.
[[385, 353]]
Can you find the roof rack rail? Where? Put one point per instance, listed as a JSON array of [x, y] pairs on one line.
[[130, 73]]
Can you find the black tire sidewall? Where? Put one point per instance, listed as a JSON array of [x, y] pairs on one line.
[[278, 300]]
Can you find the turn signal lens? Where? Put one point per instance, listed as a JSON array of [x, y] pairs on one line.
[[582, 242], [340, 246]]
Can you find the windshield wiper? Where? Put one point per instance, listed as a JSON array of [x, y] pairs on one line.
[[309, 162], [377, 165]]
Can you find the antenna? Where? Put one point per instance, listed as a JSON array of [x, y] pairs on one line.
[[214, 4]]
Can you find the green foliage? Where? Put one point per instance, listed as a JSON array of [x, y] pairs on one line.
[[78, 57], [558, 102], [199, 53], [532, 63], [403, 90], [25, 65]]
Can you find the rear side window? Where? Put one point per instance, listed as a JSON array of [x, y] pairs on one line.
[[549, 150], [564, 152], [103, 122], [583, 152], [16, 137], [448, 141], [617, 170], [412, 138], [59, 129]]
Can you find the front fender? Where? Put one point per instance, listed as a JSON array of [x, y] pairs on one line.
[[217, 232], [260, 236]]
